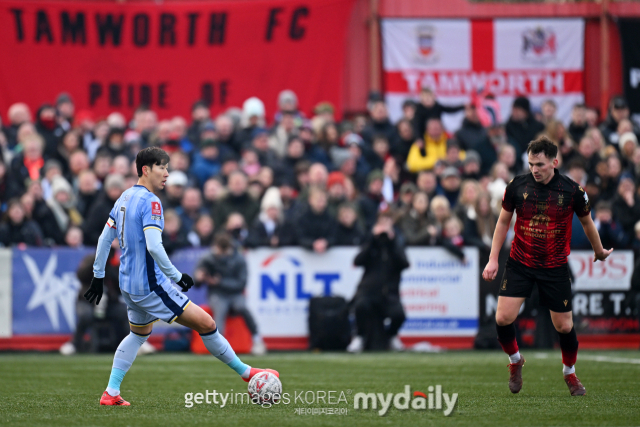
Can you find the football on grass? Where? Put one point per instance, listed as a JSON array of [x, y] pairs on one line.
[[265, 387]]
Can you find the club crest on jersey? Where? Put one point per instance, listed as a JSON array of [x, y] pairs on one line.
[[539, 219], [560, 199], [525, 195], [542, 206]]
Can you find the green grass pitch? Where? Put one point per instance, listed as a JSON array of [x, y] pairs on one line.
[[52, 390]]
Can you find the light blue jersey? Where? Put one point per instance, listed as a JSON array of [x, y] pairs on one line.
[[137, 209]]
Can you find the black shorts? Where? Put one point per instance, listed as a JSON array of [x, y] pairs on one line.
[[554, 284]]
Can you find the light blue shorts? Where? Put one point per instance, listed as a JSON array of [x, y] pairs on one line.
[[164, 303]]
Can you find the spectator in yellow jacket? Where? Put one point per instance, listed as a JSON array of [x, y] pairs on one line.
[[424, 155]]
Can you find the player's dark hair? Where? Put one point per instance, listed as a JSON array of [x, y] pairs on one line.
[[543, 145], [151, 156]]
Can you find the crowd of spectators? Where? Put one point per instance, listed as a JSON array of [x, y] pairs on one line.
[[309, 180]]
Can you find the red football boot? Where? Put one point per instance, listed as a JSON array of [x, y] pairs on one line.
[[575, 386], [109, 400], [515, 375], [255, 371]]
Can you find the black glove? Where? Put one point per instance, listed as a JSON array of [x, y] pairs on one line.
[[185, 282], [95, 290]]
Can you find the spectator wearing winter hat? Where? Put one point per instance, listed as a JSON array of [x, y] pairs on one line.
[[471, 167], [19, 114], [48, 128], [618, 111], [288, 103], [450, 185], [336, 192], [52, 168], [424, 154], [253, 117], [522, 127], [405, 196], [65, 110], [628, 145], [63, 204], [174, 189], [260, 143], [266, 230]]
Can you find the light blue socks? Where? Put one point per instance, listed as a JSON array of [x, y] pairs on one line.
[[123, 359], [220, 348]]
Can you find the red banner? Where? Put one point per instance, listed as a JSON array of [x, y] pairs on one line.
[[114, 57]]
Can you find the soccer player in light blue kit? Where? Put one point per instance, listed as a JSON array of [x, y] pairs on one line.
[[136, 220]]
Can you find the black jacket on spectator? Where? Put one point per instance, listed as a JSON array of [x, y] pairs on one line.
[[423, 114], [232, 270], [472, 136], [577, 132], [258, 236], [384, 128], [520, 134], [173, 242], [383, 260], [27, 232], [311, 226], [368, 205], [18, 174], [97, 217], [52, 137], [353, 236], [244, 205], [44, 217], [85, 201], [626, 215]]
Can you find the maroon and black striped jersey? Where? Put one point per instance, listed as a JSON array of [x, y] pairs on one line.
[[544, 215]]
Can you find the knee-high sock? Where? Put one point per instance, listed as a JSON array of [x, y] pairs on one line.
[[220, 348], [507, 338], [123, 359], [569, 347]]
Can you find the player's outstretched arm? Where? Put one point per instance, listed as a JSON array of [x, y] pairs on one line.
[[599, 253], [156, 249], [502, 227], [102, 253]]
